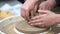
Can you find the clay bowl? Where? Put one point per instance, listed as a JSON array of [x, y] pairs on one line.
[[24, 27]]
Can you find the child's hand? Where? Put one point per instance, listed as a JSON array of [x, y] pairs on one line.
[[45, 20]]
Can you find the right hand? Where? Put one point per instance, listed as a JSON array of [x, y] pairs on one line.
[[28, 8]]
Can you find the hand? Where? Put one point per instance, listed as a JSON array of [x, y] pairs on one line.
[[28, 8], [45, 20], [47, 5]]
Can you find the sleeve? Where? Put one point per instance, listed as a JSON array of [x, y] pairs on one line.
[[58, 2], [22, 1]]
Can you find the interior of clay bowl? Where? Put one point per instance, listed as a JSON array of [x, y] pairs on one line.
[[24, 27]]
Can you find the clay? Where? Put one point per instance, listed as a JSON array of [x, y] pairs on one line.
[[23, 26]]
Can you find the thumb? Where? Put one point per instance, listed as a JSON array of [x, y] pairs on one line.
[[42, 11]]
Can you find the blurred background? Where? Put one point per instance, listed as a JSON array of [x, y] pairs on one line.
[[13, 6]]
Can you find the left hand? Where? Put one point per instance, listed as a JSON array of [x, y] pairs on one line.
[[44, 20]]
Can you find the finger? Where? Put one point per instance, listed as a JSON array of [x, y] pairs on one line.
[[35, 21], [40, 7], [27, 15], [23, 13], [38, 24], [46, 6], [32, 13], [35, 9], [45, 12], [36, 17], [24, 9], [36, 6], [49, 7], [42, 12], [43, 8]]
